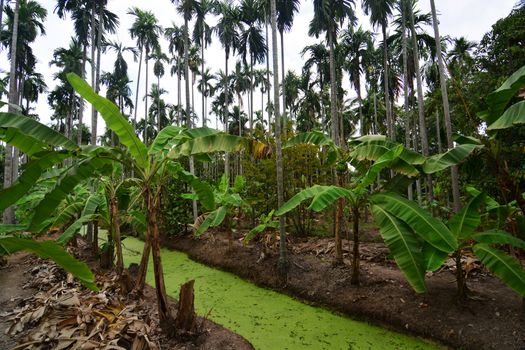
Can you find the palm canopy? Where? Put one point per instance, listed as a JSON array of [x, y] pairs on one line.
[[144, 29], [228, 26], [329, 15], [378, 10]]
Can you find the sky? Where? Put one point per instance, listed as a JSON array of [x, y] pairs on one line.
[[468, 18]]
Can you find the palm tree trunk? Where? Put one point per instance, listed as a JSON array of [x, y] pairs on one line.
[[389, 121], [179, 94], [93, 61], [9, 213], [225, 116], [333, 90], [446, 109], [438, 133], [268, 80], [146, 117], [251, 95], [421, 110], [285, 123], [405, 91], [138, 88], [283, 260], [81, 101], [202, 83]]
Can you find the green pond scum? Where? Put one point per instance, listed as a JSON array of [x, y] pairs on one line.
[[267, 319]]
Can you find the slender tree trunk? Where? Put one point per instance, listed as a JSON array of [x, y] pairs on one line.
[[375, 113], [81, 101], [389, 121], [138, 88], [225, 116], [446, 109], [94, 116], [268, 99], [143, 267], [405, 90], [283, 72], [93, 64], [438, 133], [333, 90], [202, 83], [420, 105], [179, 94], [283, 259], [9, 213], [146, 117], [360, 100], [159, 122], [355, 256], [251, 95]]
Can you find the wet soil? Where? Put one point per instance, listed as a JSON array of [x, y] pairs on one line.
[[492, 319]]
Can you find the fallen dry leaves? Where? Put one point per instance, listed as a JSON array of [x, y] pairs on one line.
[[64, 315]]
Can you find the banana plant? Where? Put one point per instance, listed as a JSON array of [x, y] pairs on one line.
[[363, 150], [152, 166], [220, 202], [421, 243]]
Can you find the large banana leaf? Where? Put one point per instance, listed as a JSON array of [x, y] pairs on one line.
[[51, 250], [500, 98], [213, 219], [514, 115], [323, 196], [462, 139], [163, 137], [450, 158], [114, 120], [32, 172], [421, 222], [373, 150], [204, 193], [403, 245], [67, 213], [216, 143], [507, 268], [463, 224], [30, 136], [79, 172], [434, 258], [316, 138], [74, 228], [498, 237]]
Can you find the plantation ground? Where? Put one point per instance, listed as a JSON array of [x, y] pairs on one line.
[[18, 290], [492, 319]]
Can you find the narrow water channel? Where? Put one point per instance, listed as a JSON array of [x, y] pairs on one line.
[[269, 320]]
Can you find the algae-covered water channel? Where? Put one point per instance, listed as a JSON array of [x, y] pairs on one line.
[[269, 320]]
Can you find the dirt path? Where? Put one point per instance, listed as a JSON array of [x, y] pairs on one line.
[[494, 321]]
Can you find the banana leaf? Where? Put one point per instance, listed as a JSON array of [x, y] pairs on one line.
[[514, 115], [51, 250], [463, 224], [421, 222], [403, 245], [450, 158], [323, 196], [498, 237], [507, 268], [114, 120], [213, 219]]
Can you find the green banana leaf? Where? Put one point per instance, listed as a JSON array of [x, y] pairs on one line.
[[30, 136], [498, 237], [66, 214], [79, 172], [163, 138], [74, 228], [316, 138], [32, 172], [403, 245], [514, 115], [10, 228], [434, 258], [499, 99], [462, 139], [463, 224], [114, 120], [216, 143], [323, 196], [421, 222], [507, 268], [450, 158], [51, 250], [213, 219]]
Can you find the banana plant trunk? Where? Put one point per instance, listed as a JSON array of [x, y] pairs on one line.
[[166, 319], [355, 256], [115, 222], [138, 87], [460, 277]]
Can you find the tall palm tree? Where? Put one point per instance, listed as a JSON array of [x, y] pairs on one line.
[[227, 30], [175, 37], [446, 108], [202, 33], [355, 44], [329, 16], [286, 10], [146, 31], [380, 11], [207, 89], [283, 259], [252, 41], [158, 70]]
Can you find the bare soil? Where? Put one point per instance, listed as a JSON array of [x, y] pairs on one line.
[[18, 291], [492, 319]]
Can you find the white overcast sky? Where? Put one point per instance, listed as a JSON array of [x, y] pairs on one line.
[[469, 18]]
